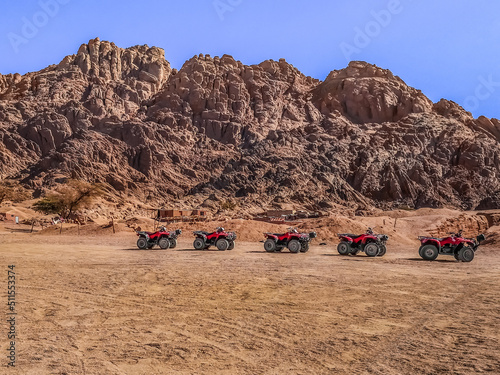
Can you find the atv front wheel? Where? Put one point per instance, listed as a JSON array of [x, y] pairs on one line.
[[231, 245], [382, 251], [466, 254], [199, 244], [372, 249], [142, 243], [294, 246], [305, 247], [173, 243], [344, 248], [164, 243], [270, 245], [222, 244], [429, 252]]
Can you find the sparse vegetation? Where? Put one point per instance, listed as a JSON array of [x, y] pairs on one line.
[[68, 198], [228, 205], [10, 191]]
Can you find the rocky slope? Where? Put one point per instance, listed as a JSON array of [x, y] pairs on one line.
[[262, 135]]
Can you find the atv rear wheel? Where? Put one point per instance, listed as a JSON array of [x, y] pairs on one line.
[[344, 248], [231, 245], [420, 251], [199, 244], [164, 243], [382, 251], [270, 245], [466, 254], [305, 247], [294, 246], [173, 243], [429, 252], [372, 249], [222, 244], [142, 243]]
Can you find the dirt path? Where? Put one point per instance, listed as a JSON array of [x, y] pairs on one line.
[[100, 306]]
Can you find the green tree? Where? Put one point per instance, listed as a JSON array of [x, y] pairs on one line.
[[68, 198]]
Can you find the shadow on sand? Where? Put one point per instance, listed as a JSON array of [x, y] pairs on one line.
[[276, 252], [149, 250], [439, 260], [21, 230], [202, 251]]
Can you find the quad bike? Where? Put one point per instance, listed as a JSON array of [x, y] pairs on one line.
[[372, 244], [163, 238], [296, 242], [461, 248], [220, 238]]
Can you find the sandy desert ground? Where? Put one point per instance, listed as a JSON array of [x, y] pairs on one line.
[[98, 305]]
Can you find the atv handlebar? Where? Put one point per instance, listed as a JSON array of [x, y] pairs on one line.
[[458, 234]]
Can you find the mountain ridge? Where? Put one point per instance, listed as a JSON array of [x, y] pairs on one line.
[[263, 135]]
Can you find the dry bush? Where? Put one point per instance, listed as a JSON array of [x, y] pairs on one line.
[[68, 198]]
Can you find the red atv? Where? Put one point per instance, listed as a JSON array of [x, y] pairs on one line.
[[461, 248], [162, 238], [372, 244], [295, 241], [220, 238]]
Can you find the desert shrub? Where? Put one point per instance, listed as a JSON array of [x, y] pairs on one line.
[[12, 191], [228, 205], [68, 198]]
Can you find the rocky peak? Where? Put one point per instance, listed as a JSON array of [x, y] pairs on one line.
[[450, 109], [228, 100], [366, 93], [108, 62]]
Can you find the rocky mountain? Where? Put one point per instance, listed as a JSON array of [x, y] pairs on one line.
[[262, 135]]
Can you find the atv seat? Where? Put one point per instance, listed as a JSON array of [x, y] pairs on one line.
[[201, 232], [353, 236]]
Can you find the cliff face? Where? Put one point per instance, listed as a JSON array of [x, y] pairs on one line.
[[265, 133]]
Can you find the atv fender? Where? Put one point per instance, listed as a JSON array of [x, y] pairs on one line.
[[346, 239], [271, 236], [432, 242], [369, 239], [458, 247]]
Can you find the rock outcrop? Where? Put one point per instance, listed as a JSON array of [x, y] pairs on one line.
[[263, 135]]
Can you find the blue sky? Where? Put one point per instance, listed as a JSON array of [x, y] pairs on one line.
[[448, 49]]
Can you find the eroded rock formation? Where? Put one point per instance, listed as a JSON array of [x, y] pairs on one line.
[[265, 134]]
